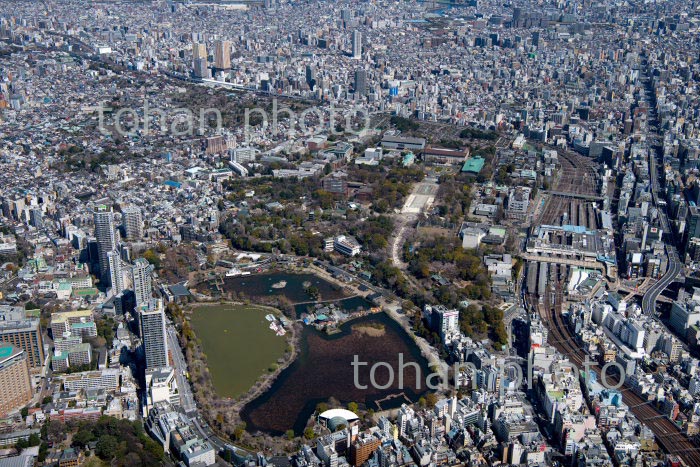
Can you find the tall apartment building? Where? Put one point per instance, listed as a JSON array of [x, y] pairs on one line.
[[14, 380], [356, 44], [142, 282], [18, 330], [132, 222], [360, 82], [106, 236], [116, 275], [222, 55], [155, 345], [199, 50]]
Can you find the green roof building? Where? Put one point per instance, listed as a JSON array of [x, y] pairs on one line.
[[474, 165]]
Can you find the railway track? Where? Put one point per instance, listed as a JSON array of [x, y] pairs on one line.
[[577, 176], [667, 433], [560, 210]]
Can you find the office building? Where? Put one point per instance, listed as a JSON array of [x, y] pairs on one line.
[[116, 276], [403, 143], [685, 312], [360, 82], [243, 155], [449, 322], [152, 324], [518, 202], [517, 13], [406, 415], [132, 222], [14, 380], [20, 331], [692, 226], [326, 451], [347, 245], [161, 386], [142, 282], [200, 68], [106, 236], [356, 44], [336, 183], [162, 421], [192, 450], [445, 155], [442, 319], [199, 50], [36, 218], [361, 450], [693, 249], [222, 55], [311, 76]]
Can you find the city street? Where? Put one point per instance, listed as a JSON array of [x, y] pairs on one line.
[[187, 401]]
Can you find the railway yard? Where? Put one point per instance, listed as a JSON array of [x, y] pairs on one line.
[[571, 199]]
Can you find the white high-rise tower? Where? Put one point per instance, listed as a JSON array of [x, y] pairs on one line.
[[116, 275], [356, 44], [106, 236], [142, 282], [155, 344]]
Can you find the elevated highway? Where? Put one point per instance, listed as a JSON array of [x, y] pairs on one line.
[[674, 264]]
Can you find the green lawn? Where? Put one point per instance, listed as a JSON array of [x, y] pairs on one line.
[[238, 343]]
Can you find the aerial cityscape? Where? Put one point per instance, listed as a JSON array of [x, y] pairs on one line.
[[316, 233]]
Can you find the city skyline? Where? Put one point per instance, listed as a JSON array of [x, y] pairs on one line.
[[352, 233]]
